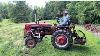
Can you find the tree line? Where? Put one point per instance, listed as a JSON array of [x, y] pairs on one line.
[[80, 11]]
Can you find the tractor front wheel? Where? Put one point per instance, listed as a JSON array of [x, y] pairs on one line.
[[30, 43]]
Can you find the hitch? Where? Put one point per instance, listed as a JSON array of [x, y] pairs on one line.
[[80, 40]]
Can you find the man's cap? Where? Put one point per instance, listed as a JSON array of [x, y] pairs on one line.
[[65, 11]]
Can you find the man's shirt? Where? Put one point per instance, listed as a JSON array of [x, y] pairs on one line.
[[64, 20]]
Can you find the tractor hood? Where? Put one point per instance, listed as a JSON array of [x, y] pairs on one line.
[[33, 24]]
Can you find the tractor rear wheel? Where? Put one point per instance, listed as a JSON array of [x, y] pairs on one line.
[[61, 39]]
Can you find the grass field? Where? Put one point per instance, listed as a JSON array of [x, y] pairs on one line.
[[12, 43]]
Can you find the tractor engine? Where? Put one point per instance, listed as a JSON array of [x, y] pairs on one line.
[[36, 32]]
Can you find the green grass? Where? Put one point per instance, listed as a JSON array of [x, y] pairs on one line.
[[12, 43]]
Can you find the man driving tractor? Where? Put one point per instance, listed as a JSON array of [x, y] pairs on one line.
[[64, 19]]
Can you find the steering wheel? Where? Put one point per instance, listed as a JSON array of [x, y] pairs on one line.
[[57, 19]]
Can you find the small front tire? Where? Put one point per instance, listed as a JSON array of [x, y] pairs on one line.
[[30, 43]]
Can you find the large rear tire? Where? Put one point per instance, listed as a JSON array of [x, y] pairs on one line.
[[62, 39]]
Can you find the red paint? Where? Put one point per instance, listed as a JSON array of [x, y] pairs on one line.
[[61, 40]]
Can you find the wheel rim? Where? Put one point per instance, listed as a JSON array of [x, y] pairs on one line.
[[30, 43], [61, 40]]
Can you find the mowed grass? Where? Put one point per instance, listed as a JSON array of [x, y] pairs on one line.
[[12, 43]]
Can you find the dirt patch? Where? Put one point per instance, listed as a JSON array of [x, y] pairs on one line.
[[97, 32], [95, 29]]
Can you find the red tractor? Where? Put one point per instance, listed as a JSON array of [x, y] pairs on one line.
[[63, 37]]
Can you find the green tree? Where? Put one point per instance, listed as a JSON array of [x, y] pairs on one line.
[[84, 11], [52, 8], [4, 11], [21, 12]]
